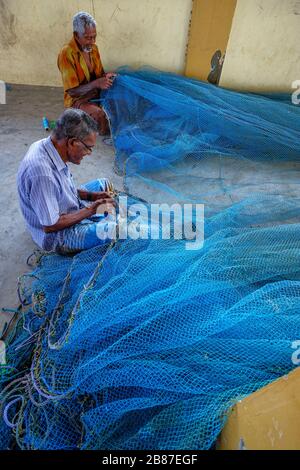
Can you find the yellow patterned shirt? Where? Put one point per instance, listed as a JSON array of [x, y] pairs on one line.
[[74, 69]]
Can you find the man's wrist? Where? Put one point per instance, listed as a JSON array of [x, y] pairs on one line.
[[89, 196], [87, 211]]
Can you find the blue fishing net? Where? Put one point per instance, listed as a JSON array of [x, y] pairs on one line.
[[145, 344]]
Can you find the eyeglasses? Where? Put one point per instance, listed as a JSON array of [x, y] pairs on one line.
[[88, 147]]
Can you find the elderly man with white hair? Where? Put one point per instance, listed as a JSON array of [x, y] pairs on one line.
[[82, 72]]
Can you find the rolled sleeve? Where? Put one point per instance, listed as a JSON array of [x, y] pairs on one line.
[[44, 198], [67, 69]]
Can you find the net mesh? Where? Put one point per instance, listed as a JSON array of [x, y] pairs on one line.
[[144, 344]]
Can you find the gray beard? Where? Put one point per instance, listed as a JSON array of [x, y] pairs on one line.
[[87, 49]]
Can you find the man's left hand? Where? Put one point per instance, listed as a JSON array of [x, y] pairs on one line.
[[101, 195]]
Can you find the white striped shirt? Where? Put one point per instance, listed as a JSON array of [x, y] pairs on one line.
[[46, 191]]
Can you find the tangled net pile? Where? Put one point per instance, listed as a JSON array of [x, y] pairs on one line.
[[144, 344]]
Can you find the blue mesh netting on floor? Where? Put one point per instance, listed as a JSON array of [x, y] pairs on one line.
[[144, 344]]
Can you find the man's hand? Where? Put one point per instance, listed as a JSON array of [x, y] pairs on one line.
[[111, 75], [106, 201], [101, 195], [93, 195], [106, 82]]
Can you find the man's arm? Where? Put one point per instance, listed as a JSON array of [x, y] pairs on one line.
[[102, 83], [93, 196], [67, 220]]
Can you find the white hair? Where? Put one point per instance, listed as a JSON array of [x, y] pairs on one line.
[[81, 21]]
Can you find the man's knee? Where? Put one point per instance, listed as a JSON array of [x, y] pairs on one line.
[[96, 112], [99, 115]]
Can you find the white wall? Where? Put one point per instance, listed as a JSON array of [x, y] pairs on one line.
[[263, 48], [130, 32]]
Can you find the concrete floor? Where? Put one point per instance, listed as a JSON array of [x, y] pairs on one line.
[[20, 125]]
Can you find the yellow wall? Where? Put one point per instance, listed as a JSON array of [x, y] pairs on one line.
[[130, 32], [263, 48], [210, 30]]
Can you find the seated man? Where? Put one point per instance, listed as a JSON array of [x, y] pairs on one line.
[[55, 215], [82, 71]]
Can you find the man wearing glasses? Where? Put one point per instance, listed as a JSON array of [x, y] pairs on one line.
[[56, 213]]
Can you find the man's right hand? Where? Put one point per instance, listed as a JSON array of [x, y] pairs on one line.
[[104, 82]]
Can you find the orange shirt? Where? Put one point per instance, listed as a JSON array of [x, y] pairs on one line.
[[74, 69]]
